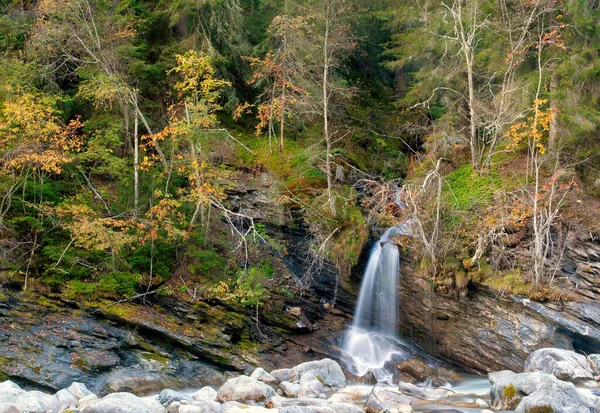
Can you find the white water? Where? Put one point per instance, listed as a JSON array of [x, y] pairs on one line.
[[373, 339]]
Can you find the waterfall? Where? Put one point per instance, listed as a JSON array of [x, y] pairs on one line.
[[372, 339]]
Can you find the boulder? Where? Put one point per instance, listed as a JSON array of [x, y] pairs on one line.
[[327, 371], [205, 393], [87, 401], [290, 389], [47, 402], [561, 396], [282, 374], [386, 398], [245, 389], [416, 371], [413, 390], [306, 409], [118, 403], [523, 391], [65, 398], [168, 396], [563, 364], [233, 407], [357, 392], [154, 405], [340, 398], [8, 408], [261, 374], [78, 390], [481, 404], [9, 392], [310, 386], [344, 408]]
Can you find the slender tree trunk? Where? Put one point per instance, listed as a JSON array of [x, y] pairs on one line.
[[282, 118], [136, 166], [326, 132], [553, 140], [472, 117]]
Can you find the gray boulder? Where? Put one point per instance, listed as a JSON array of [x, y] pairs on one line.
[[245, 389], [168, 396], [261, 374], [563, 364], [326, 370], [344, 408], [87, 401], [386, 398], [306, 409], [8, 408], [282, 374], [45, 402], [562, 397], [290, 389], [234, 407], [9, 392], [205, 393], [65, 398], [310, 386], [203, 406], [413, 390], [526, 390], [118, 403], [78, 390]]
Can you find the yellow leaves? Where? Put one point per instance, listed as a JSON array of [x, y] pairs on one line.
[[93, 232], [32, 134], [534, 129]]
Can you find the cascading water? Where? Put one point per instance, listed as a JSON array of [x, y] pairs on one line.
[[372, 338]]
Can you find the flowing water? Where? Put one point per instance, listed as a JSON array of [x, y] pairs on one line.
[[372, 339]]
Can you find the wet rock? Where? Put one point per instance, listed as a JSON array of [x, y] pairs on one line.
[[416, 371], [385, 399], [282, 374], [168, 396], [245, 389], [326, 370], [261, 374], [205, 393], [290, 389], [310, 386], [413, 391], [563, 364], [118, 403]]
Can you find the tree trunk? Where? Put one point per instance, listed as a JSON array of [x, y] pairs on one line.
[[472, 118], [553, 139], [326, 133], [136, 167]]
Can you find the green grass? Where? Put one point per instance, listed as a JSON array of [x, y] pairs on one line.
[[467, 190]]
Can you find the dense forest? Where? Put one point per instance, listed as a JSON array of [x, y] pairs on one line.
[[128, 126]]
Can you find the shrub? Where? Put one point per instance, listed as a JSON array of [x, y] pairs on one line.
[[118, 283]]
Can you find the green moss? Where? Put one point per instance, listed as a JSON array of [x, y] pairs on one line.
[[540, 409], [466, 189], [509, 391]]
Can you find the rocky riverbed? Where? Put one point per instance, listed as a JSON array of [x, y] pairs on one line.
[[555, 381]]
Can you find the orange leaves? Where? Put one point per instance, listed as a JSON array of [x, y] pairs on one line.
[[534, 129], [32, 134]]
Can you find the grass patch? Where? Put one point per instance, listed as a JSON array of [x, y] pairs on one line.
[[466, 189]]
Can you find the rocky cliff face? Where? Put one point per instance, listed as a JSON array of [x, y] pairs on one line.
[[483, 331], [47, 342]]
